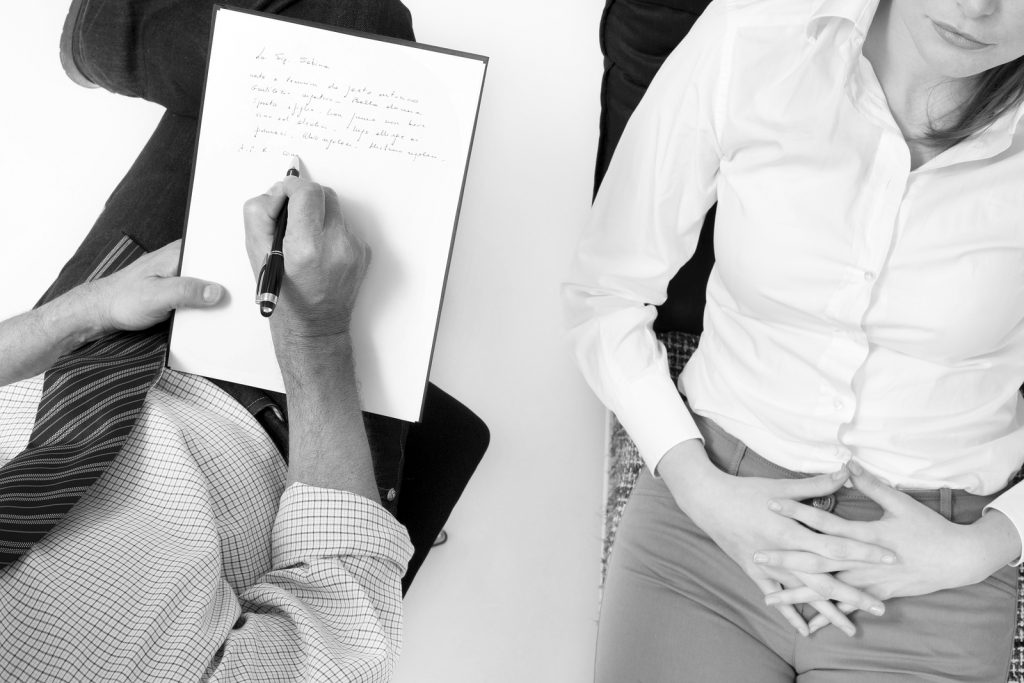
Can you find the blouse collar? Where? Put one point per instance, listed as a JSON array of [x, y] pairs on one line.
[[857, 13]]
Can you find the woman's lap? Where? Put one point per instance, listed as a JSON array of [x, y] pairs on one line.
[[672, 608], [676, 608]]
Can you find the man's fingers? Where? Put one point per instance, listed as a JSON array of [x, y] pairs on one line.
[[185, 292], [874, 488], [332, 209], [258, 215], [306, 212], [164, 261], [260, 212]]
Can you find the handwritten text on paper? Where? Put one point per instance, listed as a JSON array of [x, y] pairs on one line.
[[298, 98]]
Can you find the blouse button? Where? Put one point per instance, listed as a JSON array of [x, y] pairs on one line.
[[869, 275]]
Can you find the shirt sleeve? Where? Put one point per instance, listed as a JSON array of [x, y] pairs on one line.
[[643, 227], [331, 607], [1011, 504]]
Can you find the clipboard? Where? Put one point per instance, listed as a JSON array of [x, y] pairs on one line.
[[389, 125]]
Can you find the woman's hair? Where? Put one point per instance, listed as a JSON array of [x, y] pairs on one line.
[[996, 91]]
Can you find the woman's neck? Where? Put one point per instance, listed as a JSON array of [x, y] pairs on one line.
[[918, 97]]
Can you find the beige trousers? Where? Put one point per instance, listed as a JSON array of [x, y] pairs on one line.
[[676, 608]]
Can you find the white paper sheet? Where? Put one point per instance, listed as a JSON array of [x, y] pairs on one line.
[[389, 127]]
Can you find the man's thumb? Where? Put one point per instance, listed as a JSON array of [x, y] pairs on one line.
[[190, 292]]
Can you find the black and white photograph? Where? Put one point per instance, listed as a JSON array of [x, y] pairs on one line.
[[569, 341]]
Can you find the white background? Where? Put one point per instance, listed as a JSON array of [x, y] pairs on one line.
[[512, 597]]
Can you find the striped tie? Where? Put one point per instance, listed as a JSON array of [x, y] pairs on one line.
[[90, 402]]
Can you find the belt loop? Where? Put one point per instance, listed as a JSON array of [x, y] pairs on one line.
[[738, 451], [946, 503]]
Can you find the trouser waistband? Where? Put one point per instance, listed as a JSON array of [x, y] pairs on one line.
[[733, 457]]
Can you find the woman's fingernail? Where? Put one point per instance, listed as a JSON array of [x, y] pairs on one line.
[[877, 610], [803, 631], [760, 558], [889, 559], [774, 505], [211, 293], [855, 467], [850, 632]]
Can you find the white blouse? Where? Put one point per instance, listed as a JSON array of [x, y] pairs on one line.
[[857, 308]]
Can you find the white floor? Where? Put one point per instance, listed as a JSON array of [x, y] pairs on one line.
[[512, 597]]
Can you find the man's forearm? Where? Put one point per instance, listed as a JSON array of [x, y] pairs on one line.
[[32, 341], [327, 440]]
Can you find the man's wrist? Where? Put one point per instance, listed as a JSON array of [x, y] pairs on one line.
[[74, 318], [302, 358]]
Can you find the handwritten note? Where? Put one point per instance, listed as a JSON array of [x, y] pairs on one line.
[[301, 97], [388, 125]]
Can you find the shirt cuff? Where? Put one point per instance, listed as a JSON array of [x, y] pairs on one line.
[[1011, 504], [314, 522], [655, 417]]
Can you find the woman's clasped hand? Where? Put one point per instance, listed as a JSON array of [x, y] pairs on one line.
[[929, 553], [735, 513]]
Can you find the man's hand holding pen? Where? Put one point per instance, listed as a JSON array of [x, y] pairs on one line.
[[324, 262]]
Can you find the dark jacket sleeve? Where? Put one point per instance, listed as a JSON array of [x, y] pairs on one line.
[[636, 37]]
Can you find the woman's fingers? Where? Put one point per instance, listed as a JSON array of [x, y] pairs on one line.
[[815, 563], [812, 487], [831, 546], [826, 587], [838, 543], [833, 615], [820, 621], [890, 499], [819, 520], [837, 538], [789, 613], [826, 609]]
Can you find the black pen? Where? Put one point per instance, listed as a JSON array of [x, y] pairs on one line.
[[268, 284]]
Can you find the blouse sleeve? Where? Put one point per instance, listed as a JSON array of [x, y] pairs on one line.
[[644, 226], [1011, 504]]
